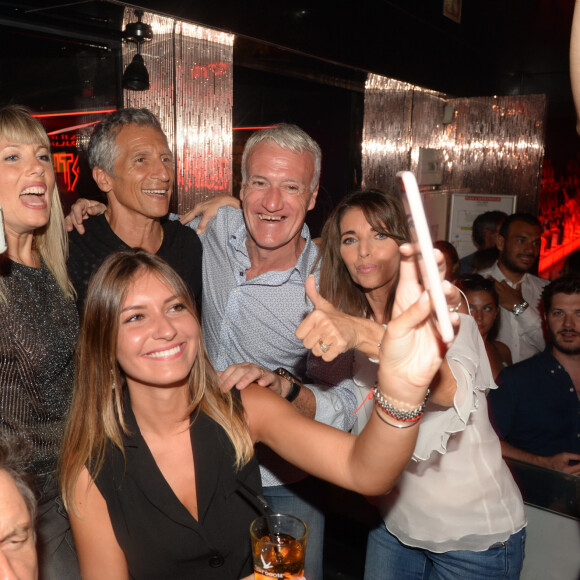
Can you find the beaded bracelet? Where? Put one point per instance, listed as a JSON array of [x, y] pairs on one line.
[[400, 414], [383, 418]]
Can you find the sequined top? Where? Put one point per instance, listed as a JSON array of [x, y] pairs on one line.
[[38, 332]]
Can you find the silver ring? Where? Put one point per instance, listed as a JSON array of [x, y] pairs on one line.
[[323, 346], [456, 309]]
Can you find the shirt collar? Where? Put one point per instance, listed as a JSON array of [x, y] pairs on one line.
[[500, 276], [304, 264]]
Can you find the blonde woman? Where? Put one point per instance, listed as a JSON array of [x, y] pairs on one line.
[[38, 323]]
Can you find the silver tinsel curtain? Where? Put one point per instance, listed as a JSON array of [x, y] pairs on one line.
[[190, 69], [490, 144]]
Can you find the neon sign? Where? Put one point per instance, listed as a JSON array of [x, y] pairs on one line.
[[68, 165]]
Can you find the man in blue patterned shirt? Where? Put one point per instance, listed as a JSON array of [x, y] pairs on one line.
[[255, 262]]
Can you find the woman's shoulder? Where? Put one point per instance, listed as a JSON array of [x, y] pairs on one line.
[[504, 352]]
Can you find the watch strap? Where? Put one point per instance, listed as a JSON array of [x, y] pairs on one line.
[[295, 385]]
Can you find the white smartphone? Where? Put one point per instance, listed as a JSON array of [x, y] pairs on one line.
[[3, 246], [427, 263]]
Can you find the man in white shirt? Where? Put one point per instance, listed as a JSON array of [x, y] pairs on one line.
[[519, 292]]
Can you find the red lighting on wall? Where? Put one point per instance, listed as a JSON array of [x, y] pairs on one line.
[[210, 70], [63, 130]]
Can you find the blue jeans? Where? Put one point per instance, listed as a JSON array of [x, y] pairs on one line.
[[301, 500], [389, 559]]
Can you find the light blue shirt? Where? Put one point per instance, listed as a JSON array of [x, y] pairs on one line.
[[255, 321]]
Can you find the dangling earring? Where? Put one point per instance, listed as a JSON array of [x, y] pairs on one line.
[[113, 380]]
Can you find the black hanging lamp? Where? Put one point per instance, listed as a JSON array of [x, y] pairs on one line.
[[136, 76]]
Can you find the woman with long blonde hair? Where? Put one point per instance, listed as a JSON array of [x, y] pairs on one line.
[[38, 323]]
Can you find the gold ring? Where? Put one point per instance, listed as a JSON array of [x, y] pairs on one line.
[[323, 346], [262, 372]]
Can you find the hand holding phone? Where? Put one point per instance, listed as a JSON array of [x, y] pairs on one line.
[[427, 264]]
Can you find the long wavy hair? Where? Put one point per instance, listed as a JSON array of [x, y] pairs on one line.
[[51, 241], [96, 417], [386, 215]]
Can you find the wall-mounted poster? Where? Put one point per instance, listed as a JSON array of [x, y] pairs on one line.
[[465, 207], [430, 167]]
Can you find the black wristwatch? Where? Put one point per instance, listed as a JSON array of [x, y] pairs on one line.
[[295, 385]]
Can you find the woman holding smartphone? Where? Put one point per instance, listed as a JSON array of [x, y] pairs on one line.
[[38, 323], [157, 468], [456, 511]]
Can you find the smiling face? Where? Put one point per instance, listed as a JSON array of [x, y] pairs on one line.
[[158, 338], [17, 549], [143, 175], [276, 197], [26, 185], [372, 258], [563, 320], [520, 250], [484, 310]]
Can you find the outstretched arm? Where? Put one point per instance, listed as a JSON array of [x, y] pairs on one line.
[[410, 355]]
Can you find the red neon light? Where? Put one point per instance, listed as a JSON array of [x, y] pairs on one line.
[[68, 165], [74, 113], [73, 128]]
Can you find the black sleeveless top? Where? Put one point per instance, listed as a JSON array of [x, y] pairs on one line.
[[160, 538]]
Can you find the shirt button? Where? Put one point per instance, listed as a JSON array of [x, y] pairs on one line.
[[216, 561], [572, 389], [552, 371], [227, 323], [236, 290]]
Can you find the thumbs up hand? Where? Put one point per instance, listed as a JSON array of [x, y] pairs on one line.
[[328, 332]]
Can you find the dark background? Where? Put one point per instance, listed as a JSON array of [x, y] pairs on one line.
[[305, 61]]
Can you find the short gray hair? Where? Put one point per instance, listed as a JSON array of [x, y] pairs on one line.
[[102, 150], [14, 456], [289, 137]]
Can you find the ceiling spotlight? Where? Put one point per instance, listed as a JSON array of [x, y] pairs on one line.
[[136, 76]]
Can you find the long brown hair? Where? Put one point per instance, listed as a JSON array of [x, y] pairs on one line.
[[51, 241], [385, 213], [96, 415]]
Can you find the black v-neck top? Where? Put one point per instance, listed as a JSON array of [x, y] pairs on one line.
[[159, 536]]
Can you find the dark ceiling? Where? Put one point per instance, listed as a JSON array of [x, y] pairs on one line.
[[499, 47]]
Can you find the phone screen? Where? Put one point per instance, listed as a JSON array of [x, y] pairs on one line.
[[421, 237]]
